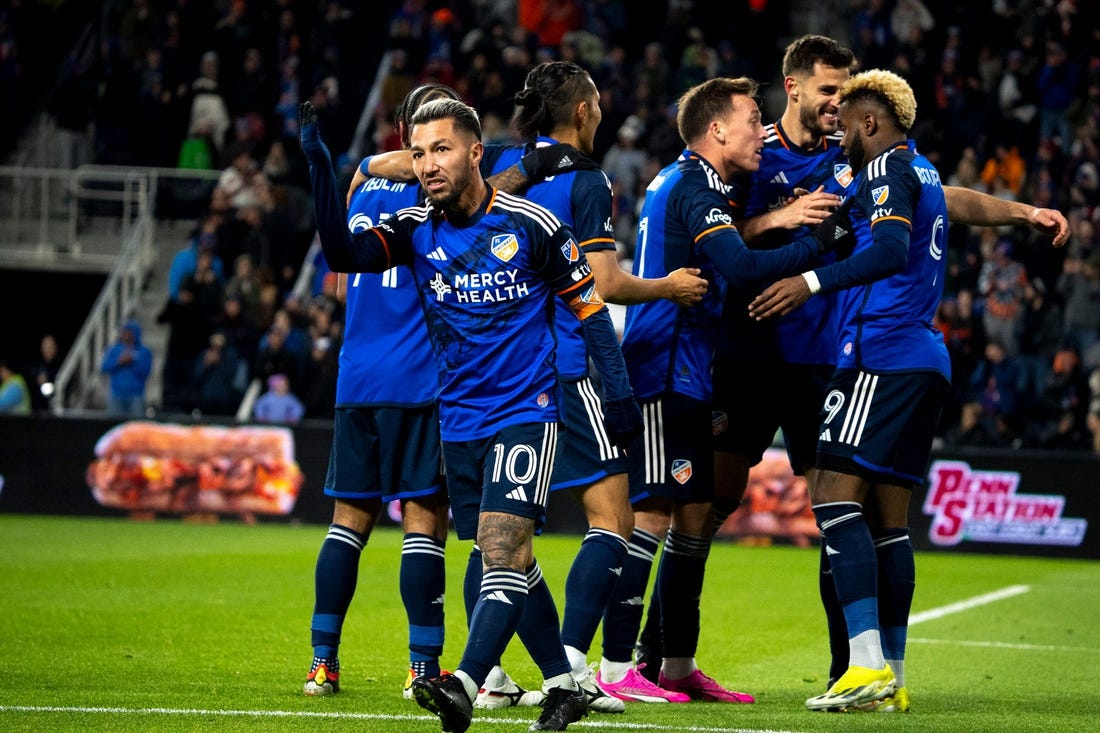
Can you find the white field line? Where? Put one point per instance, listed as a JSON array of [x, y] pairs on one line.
[[357, 716], [1005, 645], [966, 605]]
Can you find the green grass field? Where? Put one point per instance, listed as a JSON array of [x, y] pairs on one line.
[[124, 626]]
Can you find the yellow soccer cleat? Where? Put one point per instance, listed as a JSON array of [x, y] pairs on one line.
[[857, 687], [896, 703]]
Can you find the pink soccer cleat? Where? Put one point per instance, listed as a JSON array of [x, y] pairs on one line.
[[699, 686], [636, 688]]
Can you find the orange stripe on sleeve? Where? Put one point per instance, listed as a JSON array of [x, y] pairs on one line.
[[714, 229]]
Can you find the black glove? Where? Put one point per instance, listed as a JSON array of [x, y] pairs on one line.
[[306, 114], [623, 421], [549, 160], [834, 233]]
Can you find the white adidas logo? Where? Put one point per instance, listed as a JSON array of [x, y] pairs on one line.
[[840, 232], [826, 437], [438, 254], [498, 595], [780, 177], [518, 494], [565, 162], [831, 551]]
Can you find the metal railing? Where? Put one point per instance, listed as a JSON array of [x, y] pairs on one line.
[[94, 218]]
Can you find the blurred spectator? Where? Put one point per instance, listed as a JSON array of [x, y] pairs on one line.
[[1039, 336], [1005, 168], [15, 398], [992, 386], [209, 113], [1079, 287], [127, 364], [1002, 282], [220, 377], [624, 162], [273, 356], [188, 335], [43, 374], [241, 176], [319, 397], [1060, 420], [278, 404], [70, 105], [1059, 85], [204, 237]]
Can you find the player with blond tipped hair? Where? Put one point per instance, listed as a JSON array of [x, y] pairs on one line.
[[892, 379]]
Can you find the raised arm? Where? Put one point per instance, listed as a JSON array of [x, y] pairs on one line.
[[965, 206]]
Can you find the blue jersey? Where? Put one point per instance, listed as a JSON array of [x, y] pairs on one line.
[[891, 284], [487, 284], [386, 358], [582, 200], [808, 334], [686, 222]]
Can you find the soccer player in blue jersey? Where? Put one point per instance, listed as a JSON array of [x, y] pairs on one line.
[[385, 442], [892, 378], [560, 104], [685, 221], [883, 402], [486, 265]]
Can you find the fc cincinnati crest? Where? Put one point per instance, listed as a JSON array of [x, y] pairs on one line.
[[570, 250], [681, 470], [880, 195], [842, 172], [504, 246]]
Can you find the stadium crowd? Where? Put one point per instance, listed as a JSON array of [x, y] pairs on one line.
[[1008, 97]]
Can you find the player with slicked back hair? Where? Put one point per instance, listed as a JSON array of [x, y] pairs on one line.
[[385, 442]]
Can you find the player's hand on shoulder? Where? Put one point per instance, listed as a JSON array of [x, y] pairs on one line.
[[550, 160]]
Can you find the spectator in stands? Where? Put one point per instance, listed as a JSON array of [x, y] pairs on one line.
[[15, 398], [241, 175], [188, 334], [1039, 335], [1059, 84], [127, 364], [1004, 169], [1079, 287], [1002, 282], [992, 386], [319, 397], [1060, 420], [273, 356], [209, 114], [278, 404], [203, 237], [219, 377], [43, 374]]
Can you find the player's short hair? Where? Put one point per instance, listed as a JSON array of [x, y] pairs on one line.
[[464, 116], [804, 52], [414, 99], [888, 90], [708, 101], [549, 96]]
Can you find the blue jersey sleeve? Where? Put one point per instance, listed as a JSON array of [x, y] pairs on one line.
[[709, 218], [367, 251], [591, 196]]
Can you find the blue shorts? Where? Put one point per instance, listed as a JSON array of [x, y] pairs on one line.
[[585, 454], [508, 473], [880, 427], [754, 400], [674, 457], [385, 453]]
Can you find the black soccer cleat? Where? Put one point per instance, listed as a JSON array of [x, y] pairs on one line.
[[560, 708], [445, 696]]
